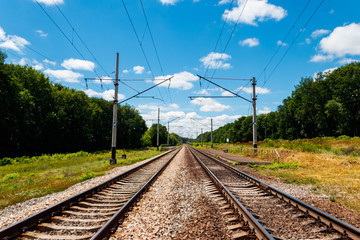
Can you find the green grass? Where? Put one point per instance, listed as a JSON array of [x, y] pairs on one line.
[[276, 166], [29, 177]]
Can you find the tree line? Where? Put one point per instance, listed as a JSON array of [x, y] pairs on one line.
[[37, 116], [328, 105]]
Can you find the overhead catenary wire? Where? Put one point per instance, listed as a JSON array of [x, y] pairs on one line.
[[154, 45], [285, 38], [63, 33], [218, 40], [292, 43], [39, 53], [140, 43], [77, 34], [228, 41]]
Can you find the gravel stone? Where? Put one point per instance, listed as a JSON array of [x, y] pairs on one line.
[[19, 211], [177, 206]]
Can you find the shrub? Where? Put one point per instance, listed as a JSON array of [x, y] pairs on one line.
[[88, 175], [11, 176], [5, 161]]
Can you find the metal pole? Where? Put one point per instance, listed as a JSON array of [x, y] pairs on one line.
[[114, 123], [201, 138], [168, 134], [211, 133], [254, 116], [157, 137]]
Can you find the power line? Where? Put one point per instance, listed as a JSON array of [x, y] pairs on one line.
[[228, 41], [154, 45], [292, 43], [284, 39], [217, 42], [74, 30], [37, 52], [140, 43], [58, 27], [151, 36]]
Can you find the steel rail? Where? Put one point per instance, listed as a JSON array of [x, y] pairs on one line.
[[37, 218], [345, 229], [112, 224], [255, 227]]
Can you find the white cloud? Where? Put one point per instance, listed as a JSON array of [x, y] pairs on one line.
[[51, 2], [182, 80], [255, 11], [107, 95], [125, 71], [209, 105], [64, 75], [202, 92], [319, 33], [138, 69], [321, 58], [41, 33], [342, 41], [250, 42], [169, 2], [281, 43], [104, 80], [325, 72], [169, 107], [49, 62], [216, 60], [224, 2], [78, 64], [307, 40], [2, 34], [258, 90], [347, 60], [226, 93], [34, 64], [12, 42], [265, 110], [38, 66]]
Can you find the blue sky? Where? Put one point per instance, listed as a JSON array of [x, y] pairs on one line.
[[185, 33]]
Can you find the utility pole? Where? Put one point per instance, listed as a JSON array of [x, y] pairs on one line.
[[157, 137], [168, 134], [211, 133], [254, 116], [201, 138], [114, 123]]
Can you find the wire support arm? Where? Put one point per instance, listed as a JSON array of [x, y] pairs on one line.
[[146, 90], [224, 88], [193, 97]]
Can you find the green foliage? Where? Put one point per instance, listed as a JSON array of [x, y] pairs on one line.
[[39, 117], [87, 175], [326, 106], [11, 176], [276, 166], [5, 161]]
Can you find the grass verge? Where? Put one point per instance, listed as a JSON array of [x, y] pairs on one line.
[[29, 177]]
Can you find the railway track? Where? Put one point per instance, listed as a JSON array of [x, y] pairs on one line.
[[94, 213], [259, 211]]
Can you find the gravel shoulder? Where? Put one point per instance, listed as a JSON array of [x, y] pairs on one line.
[[304, 193], [19, 211], [177, 206]]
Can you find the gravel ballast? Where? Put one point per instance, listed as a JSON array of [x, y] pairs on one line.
[[177, 206]]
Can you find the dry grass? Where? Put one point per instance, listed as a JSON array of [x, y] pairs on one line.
[[335, 171]]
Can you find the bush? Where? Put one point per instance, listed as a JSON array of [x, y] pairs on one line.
[[11, 176], [5, 161], [88, 175]]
